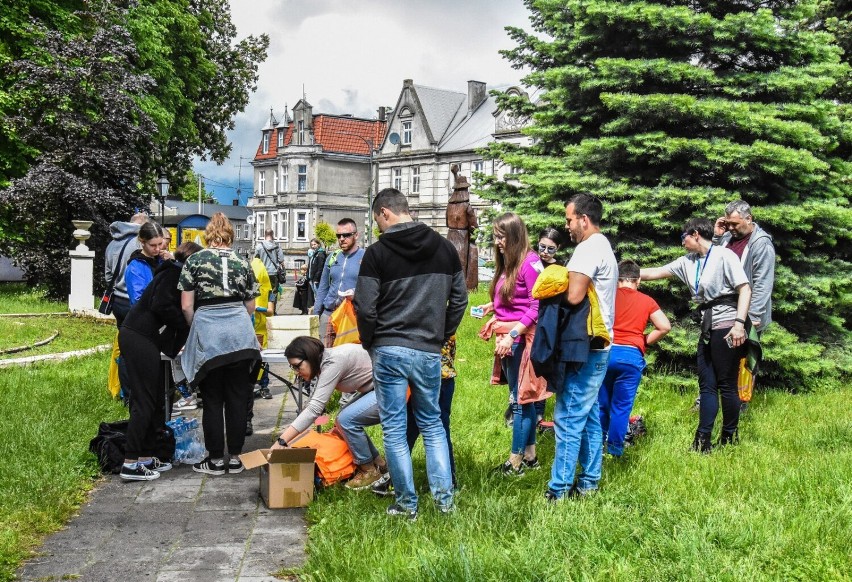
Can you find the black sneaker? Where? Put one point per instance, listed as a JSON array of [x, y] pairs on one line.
[[551, 497], [508, 470], [139, 473], [266, 393], [249, 428], [383, 487], [209, 467], [531, 464], [158, 465], [396, 509], [235, 465]]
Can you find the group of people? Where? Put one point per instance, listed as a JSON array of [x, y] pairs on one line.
[[409, 294]]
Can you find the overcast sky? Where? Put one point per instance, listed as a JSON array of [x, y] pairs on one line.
[[352, 56]]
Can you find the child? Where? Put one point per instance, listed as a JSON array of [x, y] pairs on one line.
[[633, 310]]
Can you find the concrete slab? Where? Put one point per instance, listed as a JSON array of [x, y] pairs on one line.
[[209, 528], [198, 576], [216, 557]]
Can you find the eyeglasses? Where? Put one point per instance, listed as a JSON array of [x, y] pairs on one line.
[[546, 249], [683, 236], [295, 367], [345, 234]]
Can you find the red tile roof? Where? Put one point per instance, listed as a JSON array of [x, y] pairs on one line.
[[335, 134]]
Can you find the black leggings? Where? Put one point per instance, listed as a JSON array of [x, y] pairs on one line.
[[226, 389], [141, 358], [718, 366]]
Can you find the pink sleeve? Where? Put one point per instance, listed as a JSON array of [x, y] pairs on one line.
[[528, 275]]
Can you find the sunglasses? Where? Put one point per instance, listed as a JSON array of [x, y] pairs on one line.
[[295, 367], [546, 249], [683, 236], [345, 234]]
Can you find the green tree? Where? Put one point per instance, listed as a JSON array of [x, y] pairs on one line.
[[187, 190], [326, 233], [668, 110]]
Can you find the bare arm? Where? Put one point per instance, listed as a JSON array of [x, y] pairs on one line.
[[662, 326], [654, 273], [737, 333], [187, 305], [578, 286]]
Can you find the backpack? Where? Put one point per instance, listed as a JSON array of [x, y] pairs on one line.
[[332, 258], [110, 444]]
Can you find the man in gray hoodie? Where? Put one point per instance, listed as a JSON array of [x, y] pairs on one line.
[[124, 242], [273, 259]]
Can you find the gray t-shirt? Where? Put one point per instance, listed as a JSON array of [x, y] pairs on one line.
[[717, 273]]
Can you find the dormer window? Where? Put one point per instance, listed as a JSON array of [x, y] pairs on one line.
[[281, 133], [301, 132], [265, 149], [406, 133]]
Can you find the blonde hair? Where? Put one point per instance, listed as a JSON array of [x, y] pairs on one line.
[[219, 231]]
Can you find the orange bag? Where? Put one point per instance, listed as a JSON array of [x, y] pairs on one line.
[[334, 461], [344, 323], [745, 381]]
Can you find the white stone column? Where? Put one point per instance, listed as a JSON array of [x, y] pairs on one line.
[[82, 270]]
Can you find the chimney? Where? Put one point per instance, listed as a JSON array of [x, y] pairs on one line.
[[475, 95], [382, 113]]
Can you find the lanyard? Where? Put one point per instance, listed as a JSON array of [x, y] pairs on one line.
[[699, 268]]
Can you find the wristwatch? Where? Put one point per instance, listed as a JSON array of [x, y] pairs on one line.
[[514, 334], [282, 442]]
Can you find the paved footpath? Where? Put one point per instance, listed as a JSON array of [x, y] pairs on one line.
[[185, 526]]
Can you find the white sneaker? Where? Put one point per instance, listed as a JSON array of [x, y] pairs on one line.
[[185, 404]]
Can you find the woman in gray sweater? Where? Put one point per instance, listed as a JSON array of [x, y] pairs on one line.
[[347, 368]]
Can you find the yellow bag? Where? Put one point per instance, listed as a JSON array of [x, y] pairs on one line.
[[344, 323], [113, 383], [745, 381]]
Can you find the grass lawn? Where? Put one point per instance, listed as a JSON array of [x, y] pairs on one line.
[[21, 298], [778, 506]]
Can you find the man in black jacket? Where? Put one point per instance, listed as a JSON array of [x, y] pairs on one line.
[[410, 298]]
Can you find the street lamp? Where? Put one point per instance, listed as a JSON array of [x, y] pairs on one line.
[[370, 145], [162, 192]]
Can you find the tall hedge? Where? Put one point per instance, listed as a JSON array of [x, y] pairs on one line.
[[670, 109]]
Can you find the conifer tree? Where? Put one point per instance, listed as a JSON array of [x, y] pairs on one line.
[[670, 109]]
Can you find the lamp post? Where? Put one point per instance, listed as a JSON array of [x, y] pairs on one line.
[[162, 192], [373, 181]]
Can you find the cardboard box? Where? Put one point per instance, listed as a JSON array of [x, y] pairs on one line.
[[286, 475]]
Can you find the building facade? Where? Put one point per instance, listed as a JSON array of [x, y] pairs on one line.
[[308, 169]]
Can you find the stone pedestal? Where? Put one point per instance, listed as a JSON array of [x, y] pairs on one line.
[[82, 277]]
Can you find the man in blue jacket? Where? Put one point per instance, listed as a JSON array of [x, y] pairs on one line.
[[339, 275], [410, 298]]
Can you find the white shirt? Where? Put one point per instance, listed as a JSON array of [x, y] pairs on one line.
[[594, 258]]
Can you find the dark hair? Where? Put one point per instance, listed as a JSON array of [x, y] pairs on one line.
[[269, 233], [552, 234], [306, 348], [701, 225], [393, 200], [316, 240], [515, 249], [344, 222], [628, 269], [185, 250], [587, 204], [150, 230]]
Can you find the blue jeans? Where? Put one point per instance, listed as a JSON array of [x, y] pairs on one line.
[[445, 403], [395, 370], [577, 425], [352, 420], [524, 421], [617, 393]]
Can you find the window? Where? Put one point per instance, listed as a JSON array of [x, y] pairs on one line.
[[273, 222], [303, 178], [415, 180], [285, 186], [281, 134], [275, 182], [283, 231], [301, 133], [397, 178], [406, 133], [478, 168], [266, 142], [260, 221], [247, 231], [301, 226], [261, 184]]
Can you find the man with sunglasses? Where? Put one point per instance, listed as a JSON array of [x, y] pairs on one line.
[[339, 275]]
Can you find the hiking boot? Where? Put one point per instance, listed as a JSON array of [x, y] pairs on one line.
[[185, 404], [531, 464], [508, 470], [235, 465], [364, 478], [266, 393], [396, 509], [210, 467], [383, 487], [138, 472], [727, 437], [701, 443], [249, 428], [158, 465]]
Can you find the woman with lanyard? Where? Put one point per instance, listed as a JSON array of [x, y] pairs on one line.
[[718, 284]]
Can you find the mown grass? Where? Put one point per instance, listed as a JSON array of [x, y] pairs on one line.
[[75, 333], [778, 506], [49, 414], [21, 298]]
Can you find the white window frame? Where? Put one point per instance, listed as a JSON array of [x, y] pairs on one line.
[[283, 232], [266, 142], [406, 133], [281, 134], [284, 179], [299, 186], [298, 215], [415, 179], [261, 184], [301, 132], [273, 222], [260, 225], [396, 178], [275, 182]]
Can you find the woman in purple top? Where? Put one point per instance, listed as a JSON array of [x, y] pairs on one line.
[[516, 268]]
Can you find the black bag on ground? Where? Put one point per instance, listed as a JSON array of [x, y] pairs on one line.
[[110, 444]]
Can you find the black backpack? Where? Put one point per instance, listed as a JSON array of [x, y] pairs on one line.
[[110, 445]]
